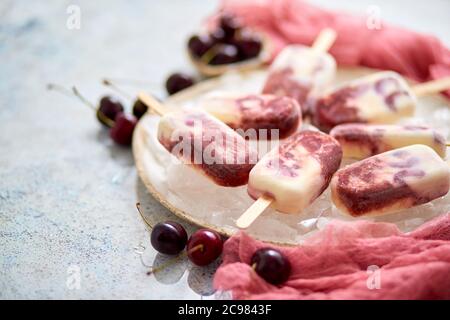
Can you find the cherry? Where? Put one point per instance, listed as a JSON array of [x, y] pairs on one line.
[[225, 54], [139, 108], [199, 44], [122, 131], [168, 237], [229, 24], [108, 107], [177, 82], [249, 44], [271, 265], [204, 246]]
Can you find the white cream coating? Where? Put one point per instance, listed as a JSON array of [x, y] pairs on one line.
[[310, 67], [222, 105], [426, 175], [371, 105], [291, 194], [230, 147], [374, 139]]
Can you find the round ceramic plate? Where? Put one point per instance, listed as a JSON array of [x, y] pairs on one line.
[[194, 198]]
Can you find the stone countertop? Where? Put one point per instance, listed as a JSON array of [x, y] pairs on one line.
[[68, 225]]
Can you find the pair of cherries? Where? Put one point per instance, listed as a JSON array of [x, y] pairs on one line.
[[110, 112], [205, 246]]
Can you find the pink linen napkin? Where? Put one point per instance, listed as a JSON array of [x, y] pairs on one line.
[[418, 56], [349, 260]]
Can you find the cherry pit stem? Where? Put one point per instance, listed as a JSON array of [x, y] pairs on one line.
[[111, 84]]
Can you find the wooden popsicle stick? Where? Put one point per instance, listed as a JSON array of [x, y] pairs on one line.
[[324, 40], [153, 104], [253, 212], [431, 87]]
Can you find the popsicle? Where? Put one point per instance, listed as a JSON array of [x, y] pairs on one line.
[[200, 140], [293, 175], [391, 181], [299, 71], [256, 116], [360, 141], [382, 97]]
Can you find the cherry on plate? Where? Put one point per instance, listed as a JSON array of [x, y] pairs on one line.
[[122, 131], [177, 82], [168, 237], [271, 265], [229, 24], [225, 54], [249, 44], [109, 107], [204, 246], [199, 44]]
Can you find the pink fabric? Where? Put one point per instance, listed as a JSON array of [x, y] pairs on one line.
[[333, 264], [420, 57]]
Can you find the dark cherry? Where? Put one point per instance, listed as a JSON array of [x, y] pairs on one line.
[[199, 44], [271, 265], [219, 36], [109, 107], [177, 82], [204, 246], [168, 237], [249, 44], [229, 24], [139, 108], [225, 54], [122, 131]]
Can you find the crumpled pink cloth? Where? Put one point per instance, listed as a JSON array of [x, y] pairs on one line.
[[418, 56], [333, 264]]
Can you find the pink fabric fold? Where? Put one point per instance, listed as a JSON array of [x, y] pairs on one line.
[[357, 260], [417, 56]]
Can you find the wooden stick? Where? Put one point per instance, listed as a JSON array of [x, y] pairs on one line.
[[324, 40], [250, 215], [153, 104], [431, 87]]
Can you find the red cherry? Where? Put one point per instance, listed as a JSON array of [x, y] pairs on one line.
[[122, 131], [168, 237], [204, 246], [271, 265]]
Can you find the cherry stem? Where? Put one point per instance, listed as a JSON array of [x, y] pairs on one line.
[[60, 89], [131, 82], [109, 83], [138, 207], [83, 99]]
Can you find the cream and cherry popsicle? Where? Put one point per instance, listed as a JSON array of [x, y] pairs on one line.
[[382, 97], [391, 181], [360, 141], [299, 71], [254, 115], [293, 175], [200, 140]]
